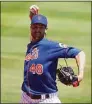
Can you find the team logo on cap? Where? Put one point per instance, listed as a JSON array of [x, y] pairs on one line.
[[39, 17]]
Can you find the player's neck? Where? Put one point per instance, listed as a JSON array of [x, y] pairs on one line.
[[36, 40]]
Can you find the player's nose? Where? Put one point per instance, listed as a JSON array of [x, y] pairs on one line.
[[37, 29]]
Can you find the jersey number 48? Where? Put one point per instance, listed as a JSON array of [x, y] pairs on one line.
[[36, 69]]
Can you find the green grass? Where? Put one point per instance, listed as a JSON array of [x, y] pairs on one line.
[[69, 23]]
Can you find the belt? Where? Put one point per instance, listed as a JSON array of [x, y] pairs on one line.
[[38, 96]]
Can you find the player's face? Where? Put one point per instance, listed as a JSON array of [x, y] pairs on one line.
[[37, 31]]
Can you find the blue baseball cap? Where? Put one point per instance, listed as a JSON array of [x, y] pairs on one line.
[[39, 19]]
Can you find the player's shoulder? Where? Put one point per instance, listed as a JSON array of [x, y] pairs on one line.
[[57, 44], [50, 42], [28, 45]]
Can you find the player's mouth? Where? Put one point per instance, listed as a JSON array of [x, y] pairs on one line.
[[37, 33]]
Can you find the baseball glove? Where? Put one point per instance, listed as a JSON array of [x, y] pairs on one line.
[[66, 76]]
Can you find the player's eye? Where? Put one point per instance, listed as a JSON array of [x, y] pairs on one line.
[[36, 27], [41, 27]]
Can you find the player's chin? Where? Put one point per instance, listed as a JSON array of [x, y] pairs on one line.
[[35, 36], [38, 34], [38, 38]]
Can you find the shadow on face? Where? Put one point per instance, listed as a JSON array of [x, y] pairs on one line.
[[37, 31]]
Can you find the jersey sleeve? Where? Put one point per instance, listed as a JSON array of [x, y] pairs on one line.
[[67, 51], [60, 50]]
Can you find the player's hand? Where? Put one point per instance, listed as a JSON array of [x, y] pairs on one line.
[[80, 78], [76, 82], [34, 9]]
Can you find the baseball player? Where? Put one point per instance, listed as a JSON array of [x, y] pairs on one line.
[[39, 84]]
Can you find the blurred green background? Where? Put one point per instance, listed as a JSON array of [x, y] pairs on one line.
[[69, 23]]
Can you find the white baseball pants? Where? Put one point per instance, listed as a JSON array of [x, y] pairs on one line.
[[25, 99]]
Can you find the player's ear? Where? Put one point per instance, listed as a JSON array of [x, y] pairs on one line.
[[46, 30]]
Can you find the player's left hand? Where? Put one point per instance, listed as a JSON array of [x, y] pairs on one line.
[[75, 81], [80, 77], [34, 9]]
